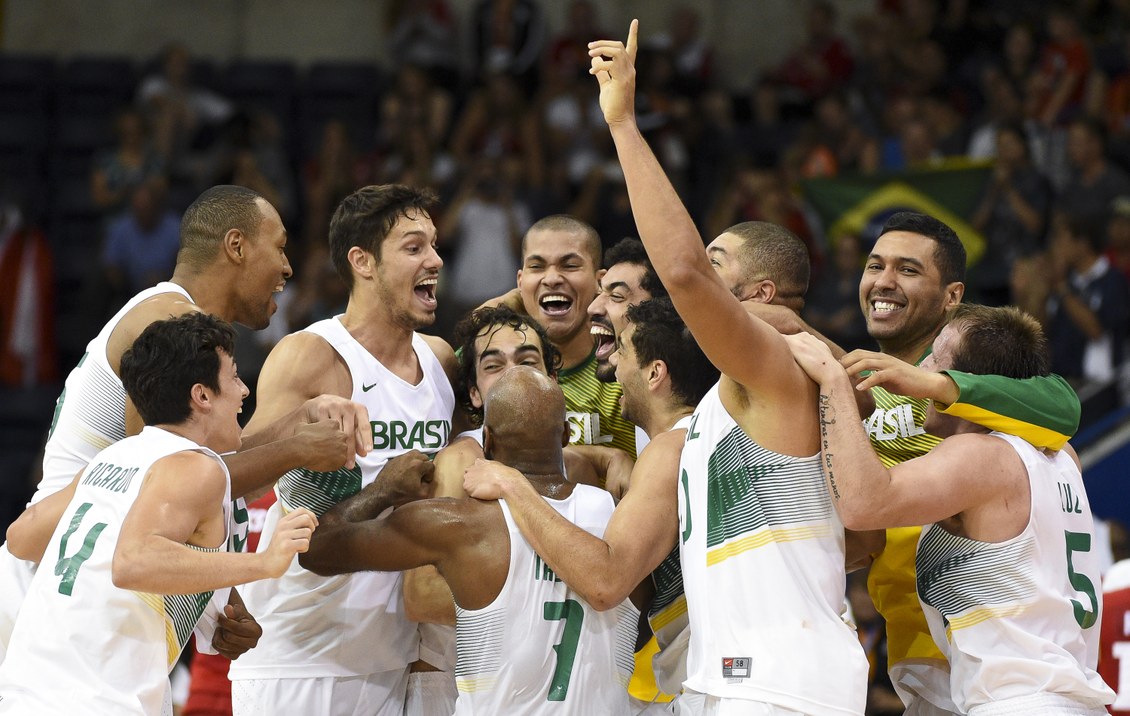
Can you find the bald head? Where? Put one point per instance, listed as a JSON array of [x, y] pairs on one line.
[[524, 420]]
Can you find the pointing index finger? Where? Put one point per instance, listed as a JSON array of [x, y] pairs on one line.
[[633, 40]]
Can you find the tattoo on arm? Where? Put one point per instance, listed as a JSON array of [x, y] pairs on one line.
[[827, 417]]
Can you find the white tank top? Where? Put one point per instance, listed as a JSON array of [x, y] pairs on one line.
[[82, 645], [763, 567], [539, 648], [1020, 619], [90, 414], [351, 624]]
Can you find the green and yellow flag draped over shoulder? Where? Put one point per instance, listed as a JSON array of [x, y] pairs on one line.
[[858, 204]]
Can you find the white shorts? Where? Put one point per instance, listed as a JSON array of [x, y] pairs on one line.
[[714, 706], [431, 693], [379, 694], [15, 578], [437, 646], [924, 687], [688, 703]]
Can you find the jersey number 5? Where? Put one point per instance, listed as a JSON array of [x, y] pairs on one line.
[[1081, 542], [67, 567], [574, 615]]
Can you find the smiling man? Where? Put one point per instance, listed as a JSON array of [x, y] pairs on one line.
[[345, 640], [1005, 568], [145, 538], [557, 282]]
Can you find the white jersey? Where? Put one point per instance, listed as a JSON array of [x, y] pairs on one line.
[[351, 624], [539, 648], [1019, 619], [82, 645], [763, 567], [90, 414], [667, 614]]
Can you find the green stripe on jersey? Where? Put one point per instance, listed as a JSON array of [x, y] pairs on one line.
[[318, 491]]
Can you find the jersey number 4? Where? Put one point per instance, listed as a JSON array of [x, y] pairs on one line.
[[67, 567], [574, 615]]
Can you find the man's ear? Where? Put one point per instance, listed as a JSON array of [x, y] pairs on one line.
[[200, 397], [764, 291], [488, 443], [475, 396], [566, 434], [235, 245], [954, 293], [656, 373], [361, 261]]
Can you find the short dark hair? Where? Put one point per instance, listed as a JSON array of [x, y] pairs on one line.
[[168, 358], [469, 329], [632, 251], [569, 224], [660, 334], [365, 217], [1000, 341], [775, 253], [949, 252], [208, 219]]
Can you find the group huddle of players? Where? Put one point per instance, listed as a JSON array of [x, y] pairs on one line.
[[459, 546]]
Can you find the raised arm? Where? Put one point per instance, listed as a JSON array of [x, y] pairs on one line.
[[726, 333], [643, 529], [866, 494], [181, 503]]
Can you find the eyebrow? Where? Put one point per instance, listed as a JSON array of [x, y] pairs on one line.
[[615, 285], [899, 259], [715, 250], [524, 348], [566, 257]]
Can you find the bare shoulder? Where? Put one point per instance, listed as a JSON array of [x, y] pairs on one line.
[[307, 359], [459, 453], [442, 350], [189, 470], [663, 451], [155, 308]]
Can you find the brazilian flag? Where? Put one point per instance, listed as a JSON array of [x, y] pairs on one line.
[[860, 204]]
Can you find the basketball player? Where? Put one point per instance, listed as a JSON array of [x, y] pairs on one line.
[[1017, 620], [527, 643], [232, 260], [145, 538], [343, 645], [762, 549]]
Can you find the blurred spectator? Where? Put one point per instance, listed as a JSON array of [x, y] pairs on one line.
[[482, 227], [422, 33], [415, 121], [1118, 236], [142, 243], [764, 138], [692, 59], [322, 293], [1018, 64], [823, 61], [1002, 106], [509, 37], [567, 107], [496, 122], [947, 125], [832, 303], [251, 154], [839, 130], [1011, 216], [1065, 64], [1088, 306], [760, 194], [1095, 182], [182, 115], [603, 203], [27, 306], [328, 177], [132, 162]]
